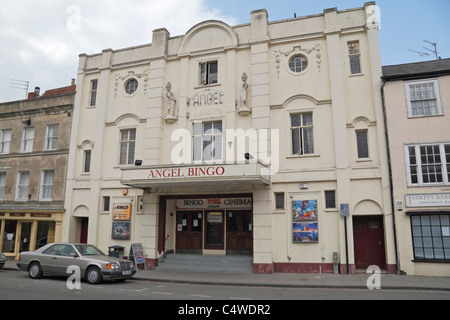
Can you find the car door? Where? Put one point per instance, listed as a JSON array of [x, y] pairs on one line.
[[49, 258]]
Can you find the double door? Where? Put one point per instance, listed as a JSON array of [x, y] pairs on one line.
[[189, 237]]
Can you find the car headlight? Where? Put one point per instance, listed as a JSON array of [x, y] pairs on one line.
[[2, 256], [112, 266]]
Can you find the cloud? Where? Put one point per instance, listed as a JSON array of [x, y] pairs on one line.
[[44, 38]]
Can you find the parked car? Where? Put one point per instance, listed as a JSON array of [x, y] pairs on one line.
[[56, 258], [2, 260]]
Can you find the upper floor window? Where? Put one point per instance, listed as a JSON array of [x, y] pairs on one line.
[[5, 141], [93, 93], [23, 178], [2, 185], [362, 144], [207, 141], [298, 63], [302, 133], [87, 161], [46, 190], [27, 140], [354, 54], [131, 86], [209, 72], [51, 139], [127, 146], [428, 164], [423, 98]]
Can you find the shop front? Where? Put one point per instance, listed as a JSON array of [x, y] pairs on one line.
[[20, 231], [207, 210]]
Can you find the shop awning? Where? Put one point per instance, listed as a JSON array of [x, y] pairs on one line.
[[252, 172]]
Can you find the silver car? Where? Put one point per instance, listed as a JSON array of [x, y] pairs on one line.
[[56, 258], [2, 260]]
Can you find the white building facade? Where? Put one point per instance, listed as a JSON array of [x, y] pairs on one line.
[[264, 139]]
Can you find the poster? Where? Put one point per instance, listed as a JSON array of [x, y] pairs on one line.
[[305, 227], [304, 210], [122, 211], [120, 230]]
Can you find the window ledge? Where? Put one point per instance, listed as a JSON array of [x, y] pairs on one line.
[[294, 156]]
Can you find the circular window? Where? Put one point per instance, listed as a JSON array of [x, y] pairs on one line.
[[298, 63], [131, 86]]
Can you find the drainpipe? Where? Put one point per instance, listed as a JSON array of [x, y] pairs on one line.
[[391, 185]]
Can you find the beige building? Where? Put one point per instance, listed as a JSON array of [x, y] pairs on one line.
[[417, 101], [34, 149], [263, 139]]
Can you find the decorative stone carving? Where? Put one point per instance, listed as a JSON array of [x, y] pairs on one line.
[[243, 108], [279, 54], [171, 115]]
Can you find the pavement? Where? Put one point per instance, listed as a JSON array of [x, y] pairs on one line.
[[292, 280]]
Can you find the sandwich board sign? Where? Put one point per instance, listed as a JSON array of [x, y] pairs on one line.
[[137, 252]]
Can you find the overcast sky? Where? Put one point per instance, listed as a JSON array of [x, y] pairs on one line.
[[40, 40]]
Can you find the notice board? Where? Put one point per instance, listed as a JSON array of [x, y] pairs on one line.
[[137, 252]]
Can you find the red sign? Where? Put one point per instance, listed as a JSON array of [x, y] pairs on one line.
[[196, 172]]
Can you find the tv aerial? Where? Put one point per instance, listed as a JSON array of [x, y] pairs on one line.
[[20, 84], [431, 51]]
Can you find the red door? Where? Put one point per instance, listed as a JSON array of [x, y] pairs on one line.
[[368, 237], [189, 232], [239, 232], [84, 230]]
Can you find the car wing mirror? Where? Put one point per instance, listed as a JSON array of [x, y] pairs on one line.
[[74, 255]]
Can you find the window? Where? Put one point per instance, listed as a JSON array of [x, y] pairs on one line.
[[131, 86], [93, 93], [22, 185], [302, 133], [207, 141], [5, 141], [51, 140], [46, 192], [423, 98], [431, 237], [208, 73], [363, 147], [106, 202], [64, 250], [354, 54], [27, 140], [2, 185], [279, 201], [127, 146], [330, 199], [87, 161], [298, 63], [428, 164]]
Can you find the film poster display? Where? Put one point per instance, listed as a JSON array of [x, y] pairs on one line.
[[305, 221], [121, 221]]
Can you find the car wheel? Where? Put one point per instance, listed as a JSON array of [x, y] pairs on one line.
[[93, 275], [35, 270]]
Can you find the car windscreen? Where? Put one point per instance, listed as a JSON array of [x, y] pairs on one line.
[[88, 250]]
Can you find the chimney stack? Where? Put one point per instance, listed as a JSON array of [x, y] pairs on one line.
[[35, 94]]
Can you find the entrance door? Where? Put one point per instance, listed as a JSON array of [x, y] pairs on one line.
[[25, 236], [368, 233], [84, 230], [214, 230], [189, 236], [239, 232]]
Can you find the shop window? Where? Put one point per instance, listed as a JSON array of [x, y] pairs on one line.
[[9, 236], [207, 141], [127, 146], [431, 237], [302, 133], [45, 233], [208, 73]]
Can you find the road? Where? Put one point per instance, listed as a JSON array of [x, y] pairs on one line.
[[16, 285]]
